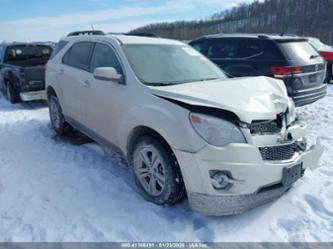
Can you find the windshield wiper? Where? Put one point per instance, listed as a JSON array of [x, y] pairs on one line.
[[208, 79], [179, 82], [314, 56], [161, 84]]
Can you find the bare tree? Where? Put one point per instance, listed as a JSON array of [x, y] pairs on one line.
[[299, 17]]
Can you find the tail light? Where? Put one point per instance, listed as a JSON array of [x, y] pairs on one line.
[[284, 71], [327, 55]]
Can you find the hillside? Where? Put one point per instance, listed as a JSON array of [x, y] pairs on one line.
[[301, 17]]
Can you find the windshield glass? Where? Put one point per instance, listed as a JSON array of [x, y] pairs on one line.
[[27, 56], [170, 64]]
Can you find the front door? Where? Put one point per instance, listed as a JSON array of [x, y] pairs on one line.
[[103, 98]]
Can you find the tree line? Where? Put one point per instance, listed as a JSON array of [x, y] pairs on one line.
[[298, 17]]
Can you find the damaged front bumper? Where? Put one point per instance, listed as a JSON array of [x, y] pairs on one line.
[[255, 181]]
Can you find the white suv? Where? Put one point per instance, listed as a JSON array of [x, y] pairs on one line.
[[185, 128]]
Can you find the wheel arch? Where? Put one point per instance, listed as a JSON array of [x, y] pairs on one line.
[[138, 132], [50, 91]]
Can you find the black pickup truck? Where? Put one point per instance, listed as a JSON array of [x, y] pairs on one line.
[[22, 71]]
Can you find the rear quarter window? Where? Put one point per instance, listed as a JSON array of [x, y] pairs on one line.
[[78, 55], [58, 48]]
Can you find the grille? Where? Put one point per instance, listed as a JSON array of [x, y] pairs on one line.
[[268, 126], [283, 152], [265, 127]]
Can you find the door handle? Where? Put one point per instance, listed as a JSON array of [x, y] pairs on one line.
[[86, 84]]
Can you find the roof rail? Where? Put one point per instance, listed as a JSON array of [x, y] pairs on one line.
[[86, 32]]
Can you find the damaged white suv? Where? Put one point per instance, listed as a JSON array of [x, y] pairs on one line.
[[185, 128]]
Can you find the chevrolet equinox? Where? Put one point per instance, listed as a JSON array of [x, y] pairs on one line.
[[186, 130]]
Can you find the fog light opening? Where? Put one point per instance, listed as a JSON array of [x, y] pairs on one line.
[[221, 180]]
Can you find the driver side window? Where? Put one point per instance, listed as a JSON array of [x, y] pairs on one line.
[[104, 56]]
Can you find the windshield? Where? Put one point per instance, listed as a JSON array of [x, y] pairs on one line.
[[27, 55], [170, 64]]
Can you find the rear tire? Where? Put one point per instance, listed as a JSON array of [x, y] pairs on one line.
[[156, 171], [12, 94], [57, 118]]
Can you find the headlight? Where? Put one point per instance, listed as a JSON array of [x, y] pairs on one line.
[[216, 131], [291, 115]]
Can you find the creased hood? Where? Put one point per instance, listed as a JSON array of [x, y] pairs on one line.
[[255, 98]]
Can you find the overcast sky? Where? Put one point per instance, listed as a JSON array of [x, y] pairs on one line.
[[44, 20]]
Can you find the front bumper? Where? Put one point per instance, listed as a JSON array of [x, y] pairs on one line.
[[256, 181], [33, 95]]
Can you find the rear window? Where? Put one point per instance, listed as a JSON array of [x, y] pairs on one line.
[[298, 50], [27, 55]]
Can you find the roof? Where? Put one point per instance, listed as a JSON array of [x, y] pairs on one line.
[[130, 39], [253, 35], [125, 39]]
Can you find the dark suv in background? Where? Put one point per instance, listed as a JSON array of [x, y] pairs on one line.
[[289, 58], [22, 70]]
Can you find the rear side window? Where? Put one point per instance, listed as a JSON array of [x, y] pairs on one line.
[[258, 49], [298, 50], [58, 48], [104, 56], [250, 48], [79, 55], [222, 49]]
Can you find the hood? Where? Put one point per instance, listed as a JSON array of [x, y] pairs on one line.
[[255, 98]]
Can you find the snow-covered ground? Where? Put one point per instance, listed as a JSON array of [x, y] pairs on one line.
[[55, 190]]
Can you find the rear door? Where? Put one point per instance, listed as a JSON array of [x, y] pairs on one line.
[[72, 77], [102, 99]]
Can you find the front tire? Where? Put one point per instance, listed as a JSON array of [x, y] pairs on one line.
[[156, 171], [57, 118], [12, 94]]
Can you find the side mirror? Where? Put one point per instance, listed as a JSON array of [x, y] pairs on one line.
[[108, 74]]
